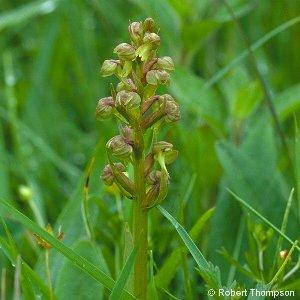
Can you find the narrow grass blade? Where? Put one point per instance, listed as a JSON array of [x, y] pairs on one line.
[[124, 275], [210, 273], [221, 73], [65, 167], [262, 218], [76, 259], [283, 228], [152, 291], [3, 284], [168, 270], [26, 12], [282, 267], [17, 280], [198, 256], [297, 164], [10, 249]]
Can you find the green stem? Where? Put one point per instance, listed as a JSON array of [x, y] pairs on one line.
[[48, 273], [140, 219]]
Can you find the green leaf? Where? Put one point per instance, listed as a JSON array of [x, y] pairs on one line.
[[209, 272], [152, 290], [221, 73], [188, 88], [252, 172], [260, 287], [26, 12], [28, 275], [123, 277], [266, 221], [75, 258], [71, 283], [168, 269], [288, 101], [245, 100], [4, 182], [197, 31], [297, 164]]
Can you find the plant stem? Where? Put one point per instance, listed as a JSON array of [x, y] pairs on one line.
[[48, 274], [140, 219]]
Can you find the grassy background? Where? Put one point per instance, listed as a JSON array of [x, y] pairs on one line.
[[51, 52]]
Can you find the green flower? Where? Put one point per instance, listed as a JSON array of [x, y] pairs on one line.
[[109, 67], [125, 51]]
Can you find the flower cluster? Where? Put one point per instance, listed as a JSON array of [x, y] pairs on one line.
[[135, 102]]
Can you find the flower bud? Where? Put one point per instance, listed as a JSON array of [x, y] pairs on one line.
[[154, 177], [127, 84], [162, 146], [283, 254], [156, 77], [127, 133], [172, 110], [165, 63], [164, 153], [135, 31], [124, 68], [151, 42], [159, 181], [44, 244], [120, 147], [125, 51], [25, 193], [105, 108], [107, 175], [152, 38], [149, 161], [149, 25], [109, 67], [127, 99]]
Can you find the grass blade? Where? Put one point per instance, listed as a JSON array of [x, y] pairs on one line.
[[221, 73], [124, 275], [198, 256], [26, 12], [297, 163], [262, 218], [167, 271], [76, 259], [207, 270]]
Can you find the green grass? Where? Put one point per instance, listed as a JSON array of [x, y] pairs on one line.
[[202, 236]]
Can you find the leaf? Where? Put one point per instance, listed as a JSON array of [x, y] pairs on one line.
[[245, 100], [252, 172], [123, 277], [189, 91], [288, 101], [168, 269], [26, 12], [28, 275], [209, 272], [197, 32], [297, 164], [266, 221], [74, 284], [75, 258], [240, 8], [152, 290], [4, 183], [221, 73], [260, 287]]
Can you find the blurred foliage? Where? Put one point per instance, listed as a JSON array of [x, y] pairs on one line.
[[51, 52]]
